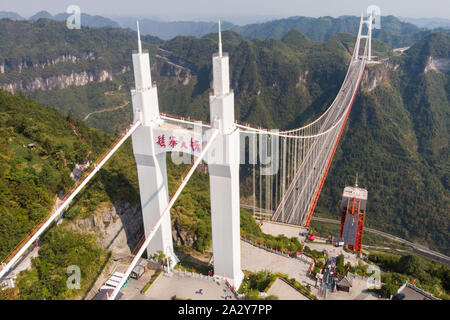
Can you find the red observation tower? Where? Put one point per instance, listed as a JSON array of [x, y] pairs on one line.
[[353, 208]]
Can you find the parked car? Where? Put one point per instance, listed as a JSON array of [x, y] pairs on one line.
[[137, 272], [399, 296]]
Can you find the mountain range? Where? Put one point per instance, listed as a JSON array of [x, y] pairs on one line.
[[429, 23], [396, 138], [398, 32], [93, 21]]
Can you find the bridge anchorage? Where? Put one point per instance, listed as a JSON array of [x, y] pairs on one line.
[[288, 183]]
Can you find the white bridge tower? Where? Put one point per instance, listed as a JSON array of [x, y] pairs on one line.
[[224, 175], [222, 158], [151, 166], [368, 37]]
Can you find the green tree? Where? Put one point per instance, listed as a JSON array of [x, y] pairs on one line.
[[388, 290], [412, 265]]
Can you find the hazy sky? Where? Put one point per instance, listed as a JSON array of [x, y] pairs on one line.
[[212, 9]]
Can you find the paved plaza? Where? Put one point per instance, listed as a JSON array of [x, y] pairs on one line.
[[285, 291], [167, 286], [132, 291], [357, 292], [289, 231], [255, 259], [335, 251]]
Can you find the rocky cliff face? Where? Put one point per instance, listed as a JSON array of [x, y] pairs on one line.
[[118, 227], [437, 64], [55, 81], [65, 58], [59, 81], [375, 74], [302, 78], [183, 237], [171, 69]]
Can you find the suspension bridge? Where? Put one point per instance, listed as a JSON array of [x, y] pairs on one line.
[[287, 185]]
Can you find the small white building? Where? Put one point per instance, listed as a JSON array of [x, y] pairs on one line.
[[337, 241]]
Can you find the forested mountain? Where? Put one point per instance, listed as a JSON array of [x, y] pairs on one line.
[[397, 139], [38, 152], [10, 15], [429, 23], [43, 56], [396, 136], [397, 32], [86, 20], [170, 29], [393, 31]]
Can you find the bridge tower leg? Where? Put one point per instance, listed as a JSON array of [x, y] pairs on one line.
[[151, 167], [358, 39], [223, 165], [369, 35]]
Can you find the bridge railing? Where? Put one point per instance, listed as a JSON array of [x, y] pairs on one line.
[[168, 116]]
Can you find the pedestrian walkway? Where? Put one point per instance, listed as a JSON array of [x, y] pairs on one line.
[[255, 259], [284, 291], [167, 286]]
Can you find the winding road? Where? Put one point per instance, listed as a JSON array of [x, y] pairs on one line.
[[107, 109]]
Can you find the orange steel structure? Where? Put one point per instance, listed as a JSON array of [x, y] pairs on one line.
[[352, 218]]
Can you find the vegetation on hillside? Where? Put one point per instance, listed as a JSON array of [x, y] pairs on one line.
[[38, 150], [393, 31], [31, 178], [428, 275], [49, 275], [257, 282], [396, 139], [369, 239]]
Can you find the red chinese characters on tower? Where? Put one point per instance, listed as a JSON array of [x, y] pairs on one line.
[[172, 141], [178, 142], [162, 141], [195, 146]]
